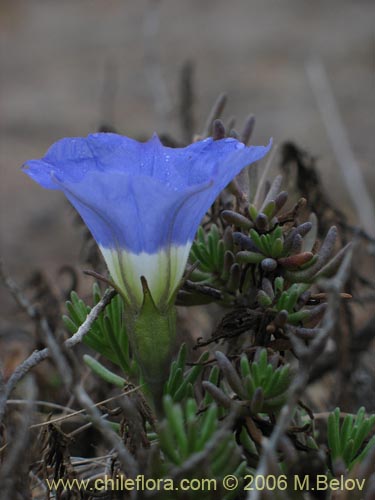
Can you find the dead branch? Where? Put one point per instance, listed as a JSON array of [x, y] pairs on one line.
[[307, 356], [38, 356], [339, 140], [13, 460], [215, 113], [113, 439], [69, 375]]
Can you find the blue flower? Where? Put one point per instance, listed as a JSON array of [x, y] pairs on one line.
[[142, 202]]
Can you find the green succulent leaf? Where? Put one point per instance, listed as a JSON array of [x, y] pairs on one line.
[[107, 335], [347, 441]]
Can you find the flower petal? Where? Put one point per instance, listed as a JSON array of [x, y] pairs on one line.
[[142, 202], [141, 196]]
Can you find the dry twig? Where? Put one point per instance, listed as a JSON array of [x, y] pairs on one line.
[[307, 356], [10, 468], [38, 356], [338, 137], [113, 439]]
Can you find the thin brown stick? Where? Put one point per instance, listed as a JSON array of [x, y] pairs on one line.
[[338, 137], [79, 412], [8, 475], [66, 366], [152, 64], [307, 355], [215, 113], [113, 439], [38, 356]]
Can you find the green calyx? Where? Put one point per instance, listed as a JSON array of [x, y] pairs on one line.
[[152, 333]]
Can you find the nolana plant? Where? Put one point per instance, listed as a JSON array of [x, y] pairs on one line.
[[142, 203], [178, 226]]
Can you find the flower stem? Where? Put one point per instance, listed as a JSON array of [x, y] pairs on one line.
[[152, 334]]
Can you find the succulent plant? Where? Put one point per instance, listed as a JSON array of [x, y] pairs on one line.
[[108, 334], [180, 383], [259, 386], [187, 434], [347, 442]]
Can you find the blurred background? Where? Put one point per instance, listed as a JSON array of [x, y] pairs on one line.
[[68, 67]]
